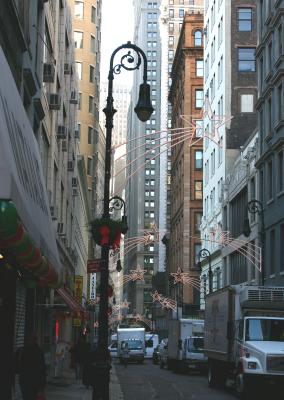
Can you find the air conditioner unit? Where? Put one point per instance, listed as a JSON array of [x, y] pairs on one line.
[[66, 69], [76, 134], [54, 101], [73, 99], [61, 132], [64, 145], [74, 182], [75, 192], [48, 72], [70, 166], [54, 212], [60, 228]]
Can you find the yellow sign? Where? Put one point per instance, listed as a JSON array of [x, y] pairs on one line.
[[78, 289], [76, 321]]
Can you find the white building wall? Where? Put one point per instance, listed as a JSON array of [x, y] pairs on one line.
[[219, 95]]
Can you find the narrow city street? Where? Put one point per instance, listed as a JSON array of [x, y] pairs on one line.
[[148, 381]]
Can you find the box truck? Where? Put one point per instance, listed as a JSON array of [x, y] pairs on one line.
[[185, 345], [135, 339], [244, 337]]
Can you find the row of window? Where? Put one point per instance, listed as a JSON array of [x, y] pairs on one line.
[[210, 200], [272, 178], [273, 111], [92, 107], [79, 39], [79, 11], [79, 69]]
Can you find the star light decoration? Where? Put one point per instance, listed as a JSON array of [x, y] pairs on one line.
[[216, 122], [185, 278], [135, 275], [121, 306], [140, 318], [164, 301]]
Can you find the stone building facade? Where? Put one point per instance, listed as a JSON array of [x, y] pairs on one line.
[[186, 158]]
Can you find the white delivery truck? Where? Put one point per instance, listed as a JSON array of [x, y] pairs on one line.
[[151, 341], [244, 337], [135, 339], [185, 345]]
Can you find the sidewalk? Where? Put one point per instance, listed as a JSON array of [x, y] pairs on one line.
[[66, 388]]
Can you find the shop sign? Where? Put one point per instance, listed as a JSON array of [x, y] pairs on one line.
[[93, 265], [78, 289], [92, 286], [21, 173]]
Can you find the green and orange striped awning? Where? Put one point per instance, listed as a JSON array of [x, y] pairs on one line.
[[15, 240]]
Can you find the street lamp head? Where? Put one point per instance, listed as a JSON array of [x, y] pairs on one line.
[[246, 228], [118, 266], [144, 107]]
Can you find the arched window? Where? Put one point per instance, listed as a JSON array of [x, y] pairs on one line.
[[197, 38]]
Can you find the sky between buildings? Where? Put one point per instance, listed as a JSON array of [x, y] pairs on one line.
[[117, 29]]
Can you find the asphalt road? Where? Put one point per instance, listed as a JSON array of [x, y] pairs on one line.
[[149, 382]]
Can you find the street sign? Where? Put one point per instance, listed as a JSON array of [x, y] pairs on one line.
[[93, 266]]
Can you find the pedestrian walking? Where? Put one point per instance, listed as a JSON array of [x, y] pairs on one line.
[[79, 354], [125, 353], [97, 373], [30, 366]]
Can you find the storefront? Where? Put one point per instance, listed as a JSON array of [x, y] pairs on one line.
[[28, 250]]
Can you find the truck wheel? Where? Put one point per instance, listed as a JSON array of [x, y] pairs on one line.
[[243, 387], [216, 378]]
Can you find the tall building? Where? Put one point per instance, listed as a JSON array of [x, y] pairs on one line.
[[86, 19], [171, 20], [43, 184], [229, 116], [186, 159], [270, 109], [143, 161]]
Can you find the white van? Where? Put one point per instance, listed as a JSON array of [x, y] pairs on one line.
[[113, 346], [152, 341]]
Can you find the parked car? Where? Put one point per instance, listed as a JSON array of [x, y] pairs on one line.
[[163, 353], [113, 349], [156, 355]]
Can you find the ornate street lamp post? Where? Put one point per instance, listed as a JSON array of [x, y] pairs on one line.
[[143, 109], [255, 207], [205, 253]]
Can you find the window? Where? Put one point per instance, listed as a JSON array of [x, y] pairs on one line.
[[272, 251], [245, 19], [281, 248], [199, 67], [269, 115], [171, 13], [280, 102], [198, 127], [90, 135], [198, 159], [94, 15], [198, 190], [171, 40], [79, 101], [79, 9], [197, 38], [79, 68], [93, 44], [91, 104], [246, 103], [269, 180], [92, 74], [280, 171], [246, 59], [280, 41], [89, 166], [198, 98], [181, 13], [197, 248], [171, 27], [213, 162], [171, 54], [220, 151], [78, 39], [197, 221]]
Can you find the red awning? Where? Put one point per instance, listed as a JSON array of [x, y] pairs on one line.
[[70, 301]]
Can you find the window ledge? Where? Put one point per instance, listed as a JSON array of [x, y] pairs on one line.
[[270, 202], [272, 276], [279, 194], [281, 273]]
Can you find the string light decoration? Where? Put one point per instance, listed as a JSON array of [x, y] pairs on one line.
[[124, 305], [140, 318], [135, 275], [164, 301], [184, 278]]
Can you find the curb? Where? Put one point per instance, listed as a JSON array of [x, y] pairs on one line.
[[115, 388]]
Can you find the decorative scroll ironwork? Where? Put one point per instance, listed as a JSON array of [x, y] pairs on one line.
[[127, 59]]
